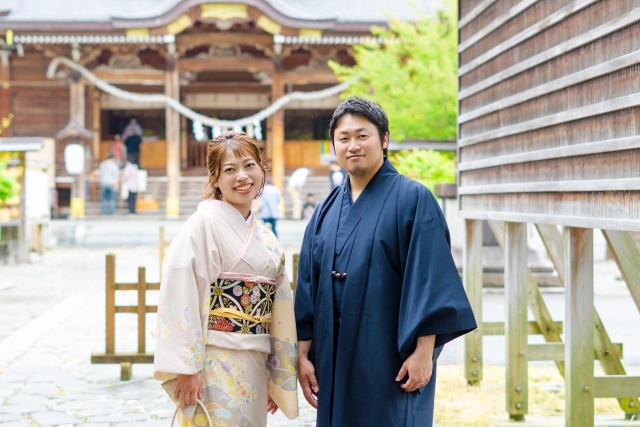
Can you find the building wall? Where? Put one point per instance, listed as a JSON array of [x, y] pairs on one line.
[[549, 102]]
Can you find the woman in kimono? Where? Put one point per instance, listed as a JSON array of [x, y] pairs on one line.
[[225, 326]]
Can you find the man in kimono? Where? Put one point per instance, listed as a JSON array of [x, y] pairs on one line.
[[378, 292]]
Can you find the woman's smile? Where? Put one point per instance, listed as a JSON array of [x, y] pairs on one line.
[[244, 188]]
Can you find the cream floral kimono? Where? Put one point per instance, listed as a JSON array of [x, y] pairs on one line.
[[225, 309]]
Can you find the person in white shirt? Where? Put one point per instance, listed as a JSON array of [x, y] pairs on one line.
[[130, 173], [109, 175], [133, 125], [270, 209], [296, 183]]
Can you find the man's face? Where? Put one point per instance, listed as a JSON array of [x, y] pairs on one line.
[[357, 144]]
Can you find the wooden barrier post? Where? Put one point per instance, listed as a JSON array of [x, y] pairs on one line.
[[579, 321], [141, 309], [111, 304], [472, 278], [515, 286], [294, 279]]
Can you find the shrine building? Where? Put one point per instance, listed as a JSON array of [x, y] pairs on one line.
[[225, 60]]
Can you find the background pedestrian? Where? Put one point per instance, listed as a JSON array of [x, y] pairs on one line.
[[270, 209], [132, 143], [130, 174], [109, 174], [119, 151], [296, 183]]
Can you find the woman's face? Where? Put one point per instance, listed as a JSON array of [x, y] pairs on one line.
[[240, 180]]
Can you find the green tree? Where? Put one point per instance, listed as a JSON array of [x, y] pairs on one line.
[[8, 184], [425, 166], [412, 75]]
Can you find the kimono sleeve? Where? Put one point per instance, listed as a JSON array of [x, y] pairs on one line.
[[183, 305], [304, 306], [283, 360], [433, 300]]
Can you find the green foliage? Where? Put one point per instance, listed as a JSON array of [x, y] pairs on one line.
[[413, 76], [8, 185], [425, 166]]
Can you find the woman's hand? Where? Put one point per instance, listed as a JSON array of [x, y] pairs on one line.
[[188, 389], [272, 407]]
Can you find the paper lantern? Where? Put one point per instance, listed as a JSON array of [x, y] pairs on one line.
[[74, 159]]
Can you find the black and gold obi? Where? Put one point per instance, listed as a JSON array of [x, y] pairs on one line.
[[241, 303]]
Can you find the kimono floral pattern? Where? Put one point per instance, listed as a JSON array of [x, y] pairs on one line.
[[254, 299], [275, 254], [227, 388], [282, 363]]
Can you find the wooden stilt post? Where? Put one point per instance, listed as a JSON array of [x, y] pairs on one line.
[[579, 321], [550, 330], [606, 352], [516, 325], [472, 278], [627, 257]]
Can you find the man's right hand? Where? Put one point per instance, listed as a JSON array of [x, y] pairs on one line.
[[308, 381]]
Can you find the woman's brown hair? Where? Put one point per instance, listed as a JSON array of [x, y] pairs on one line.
[[241, 145]]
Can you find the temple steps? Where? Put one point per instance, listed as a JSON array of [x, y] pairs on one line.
[[191, 194]]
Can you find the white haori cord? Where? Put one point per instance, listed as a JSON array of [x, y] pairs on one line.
[[176, 105]]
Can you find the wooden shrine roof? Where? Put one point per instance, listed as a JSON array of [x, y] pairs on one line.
[[51, 15]]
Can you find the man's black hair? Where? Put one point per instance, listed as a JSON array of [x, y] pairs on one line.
[[361, 107]]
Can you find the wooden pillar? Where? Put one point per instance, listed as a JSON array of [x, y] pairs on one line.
[[472, 278], [277, 127], [516, 325], [578, 329], [184, 153], [95, 128], [77, 113], [172, 90]]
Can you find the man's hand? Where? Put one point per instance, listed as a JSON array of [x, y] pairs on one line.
[[272, 407], [188, 389], [419, 365], [307, 374]]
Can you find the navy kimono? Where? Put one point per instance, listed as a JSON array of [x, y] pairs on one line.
[[401, 283]]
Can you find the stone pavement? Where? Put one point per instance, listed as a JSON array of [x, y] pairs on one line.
[[56, 320]]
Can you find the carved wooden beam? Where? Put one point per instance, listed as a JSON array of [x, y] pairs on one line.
[[252, 65], [143, 76], [318, 77], [185, 42]]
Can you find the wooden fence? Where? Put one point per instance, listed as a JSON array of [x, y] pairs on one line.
[[141, 309]]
